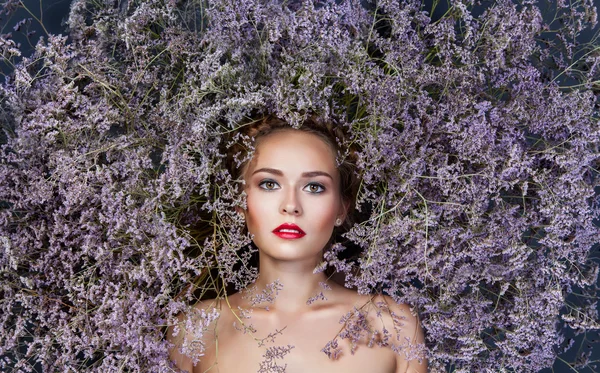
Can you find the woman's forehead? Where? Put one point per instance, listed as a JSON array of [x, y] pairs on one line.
[[294, 150]]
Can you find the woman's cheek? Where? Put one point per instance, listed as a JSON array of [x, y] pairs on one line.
[[257, 211], [250, 212], [326, 212]]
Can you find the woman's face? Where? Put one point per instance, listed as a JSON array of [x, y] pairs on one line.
[[292, 180]]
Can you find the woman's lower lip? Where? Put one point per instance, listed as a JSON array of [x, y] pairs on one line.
[[289, 235]]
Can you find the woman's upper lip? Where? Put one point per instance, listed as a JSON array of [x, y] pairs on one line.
[[289, 226]]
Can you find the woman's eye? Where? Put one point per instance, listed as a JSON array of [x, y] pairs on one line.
[[315, 188], [268, 185]]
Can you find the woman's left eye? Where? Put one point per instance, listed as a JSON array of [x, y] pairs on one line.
[[268, 185], [315, 188]]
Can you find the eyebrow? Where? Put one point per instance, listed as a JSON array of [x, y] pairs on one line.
[[277, 172]]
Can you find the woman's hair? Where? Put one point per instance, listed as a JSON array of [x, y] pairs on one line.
[[332, 134]]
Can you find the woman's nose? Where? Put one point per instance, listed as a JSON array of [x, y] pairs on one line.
[[290, 204]]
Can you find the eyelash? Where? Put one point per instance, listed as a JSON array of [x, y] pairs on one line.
[[266, 181], [262, 183], [318, 185]]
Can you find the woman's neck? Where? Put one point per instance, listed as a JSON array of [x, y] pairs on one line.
[[287, 286]]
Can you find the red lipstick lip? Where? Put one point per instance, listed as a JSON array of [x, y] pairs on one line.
[[289, 235], [289, 226]]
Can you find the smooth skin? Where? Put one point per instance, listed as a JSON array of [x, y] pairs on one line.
[[293, 179]]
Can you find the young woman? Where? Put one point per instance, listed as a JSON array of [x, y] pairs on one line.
[[293, 319]]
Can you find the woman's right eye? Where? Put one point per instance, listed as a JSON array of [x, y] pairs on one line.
[[268, 185]]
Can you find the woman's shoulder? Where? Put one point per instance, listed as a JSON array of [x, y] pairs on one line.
[[190, 331], [395, 324], [403, 330], [373, 302]]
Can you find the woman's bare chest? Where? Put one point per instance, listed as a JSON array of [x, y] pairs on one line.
[[290, 346]]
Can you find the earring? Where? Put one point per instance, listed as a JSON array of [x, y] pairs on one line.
[[338, 222]]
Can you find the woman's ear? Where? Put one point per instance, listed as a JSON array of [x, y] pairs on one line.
[[343, 212], [241, 212]]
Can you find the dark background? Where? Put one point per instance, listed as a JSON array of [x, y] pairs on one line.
[[50, 13], [53, 14]]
